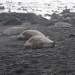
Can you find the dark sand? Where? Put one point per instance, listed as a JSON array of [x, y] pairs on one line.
[[60, 60]]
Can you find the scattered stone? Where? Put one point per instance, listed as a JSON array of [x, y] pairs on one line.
[[72, 35], [55, 16], [12, 21], [2, 7], [66, 11]]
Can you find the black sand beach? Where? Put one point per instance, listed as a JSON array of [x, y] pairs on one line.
[[16, 60]]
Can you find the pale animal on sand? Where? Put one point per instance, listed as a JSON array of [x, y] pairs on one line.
[[39, 42]]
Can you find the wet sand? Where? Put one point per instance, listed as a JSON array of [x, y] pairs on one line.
[[60, 60]]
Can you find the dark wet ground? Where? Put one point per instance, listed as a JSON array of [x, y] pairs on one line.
[[60, 60]]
